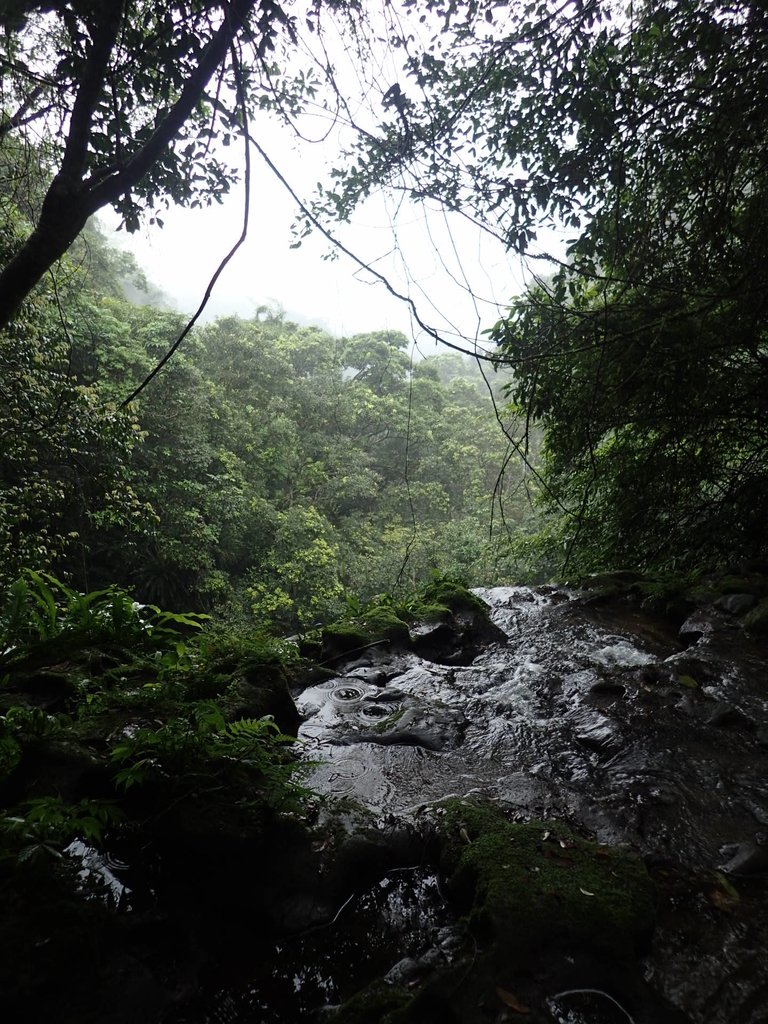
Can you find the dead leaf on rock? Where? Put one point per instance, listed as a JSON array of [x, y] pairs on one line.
[[586, 893], [511, 1001], [722, 901]]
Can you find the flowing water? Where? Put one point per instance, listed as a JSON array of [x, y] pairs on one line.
[[603, 717], [606, 718]]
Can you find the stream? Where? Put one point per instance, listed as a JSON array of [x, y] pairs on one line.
[[597, 715]]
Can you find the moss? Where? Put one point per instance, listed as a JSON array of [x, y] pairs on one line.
[[430, 613], [386, 723], [453, 596], [378, 1002], [750, 583], [756, 621], [377, 622], [536, 884]]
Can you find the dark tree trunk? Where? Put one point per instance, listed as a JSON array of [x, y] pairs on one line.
[[78, 190]]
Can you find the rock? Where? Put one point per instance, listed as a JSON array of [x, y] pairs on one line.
[[259, 697], [685, 664], [61, 765], [756, 621], [750, 858], [726, 716], [424, 724], [602, 736], [534, 885], [608, 687], [736, 604], [404, 971], [699, 624]]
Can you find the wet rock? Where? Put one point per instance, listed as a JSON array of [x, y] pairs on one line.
[[749, 858], [736, 604], [424, 725], [756, 621], [459, 641], [726, 716], [695, 627], [687, 664], [600, 735], [608, 688], [404, 972], [372, 675]]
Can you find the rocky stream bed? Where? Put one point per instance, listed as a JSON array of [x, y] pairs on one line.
[[562, 817], [531, 804]]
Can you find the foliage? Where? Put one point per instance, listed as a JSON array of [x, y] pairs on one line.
[[288, 468], [138, 734], [129, 99], [48, 824], [63, 453], [41, 610], [202, 749], [641, 137]]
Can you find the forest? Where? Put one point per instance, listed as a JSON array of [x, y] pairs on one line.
[[214, 532], [267, 473]]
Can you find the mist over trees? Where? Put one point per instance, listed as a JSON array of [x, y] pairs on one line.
[[639, 350]]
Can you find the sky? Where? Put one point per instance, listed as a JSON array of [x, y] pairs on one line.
[[459, 276]]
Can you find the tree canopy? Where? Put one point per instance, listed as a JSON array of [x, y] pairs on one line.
[[639, 134], [134, 101], [636, 134]]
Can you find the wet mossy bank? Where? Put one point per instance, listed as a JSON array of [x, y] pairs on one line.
[[542, 910], [153, 820], [737, 596]]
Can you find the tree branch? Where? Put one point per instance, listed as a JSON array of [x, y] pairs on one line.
[[71, 198]]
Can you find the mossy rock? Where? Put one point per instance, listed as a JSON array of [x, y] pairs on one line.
[[756, 622], [453, 596], [378, 1002], [430, 613], [527, 886], [746, 583], [375, 624]]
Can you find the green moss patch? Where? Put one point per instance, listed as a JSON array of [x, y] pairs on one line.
[[537, 884], [378, 1002], [756, 621], [453, 596]]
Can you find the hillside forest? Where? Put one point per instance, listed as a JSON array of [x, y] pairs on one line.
[[271, 471]]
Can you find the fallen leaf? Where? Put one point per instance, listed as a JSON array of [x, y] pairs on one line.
[[464, 835], [509, 1000], [585, 892], [546, 836], [722, 900], [727, 886]]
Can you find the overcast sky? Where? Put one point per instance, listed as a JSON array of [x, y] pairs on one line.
[[458, 276]]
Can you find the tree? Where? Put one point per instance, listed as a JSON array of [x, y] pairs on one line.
[[130, 97], [639, 135]]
